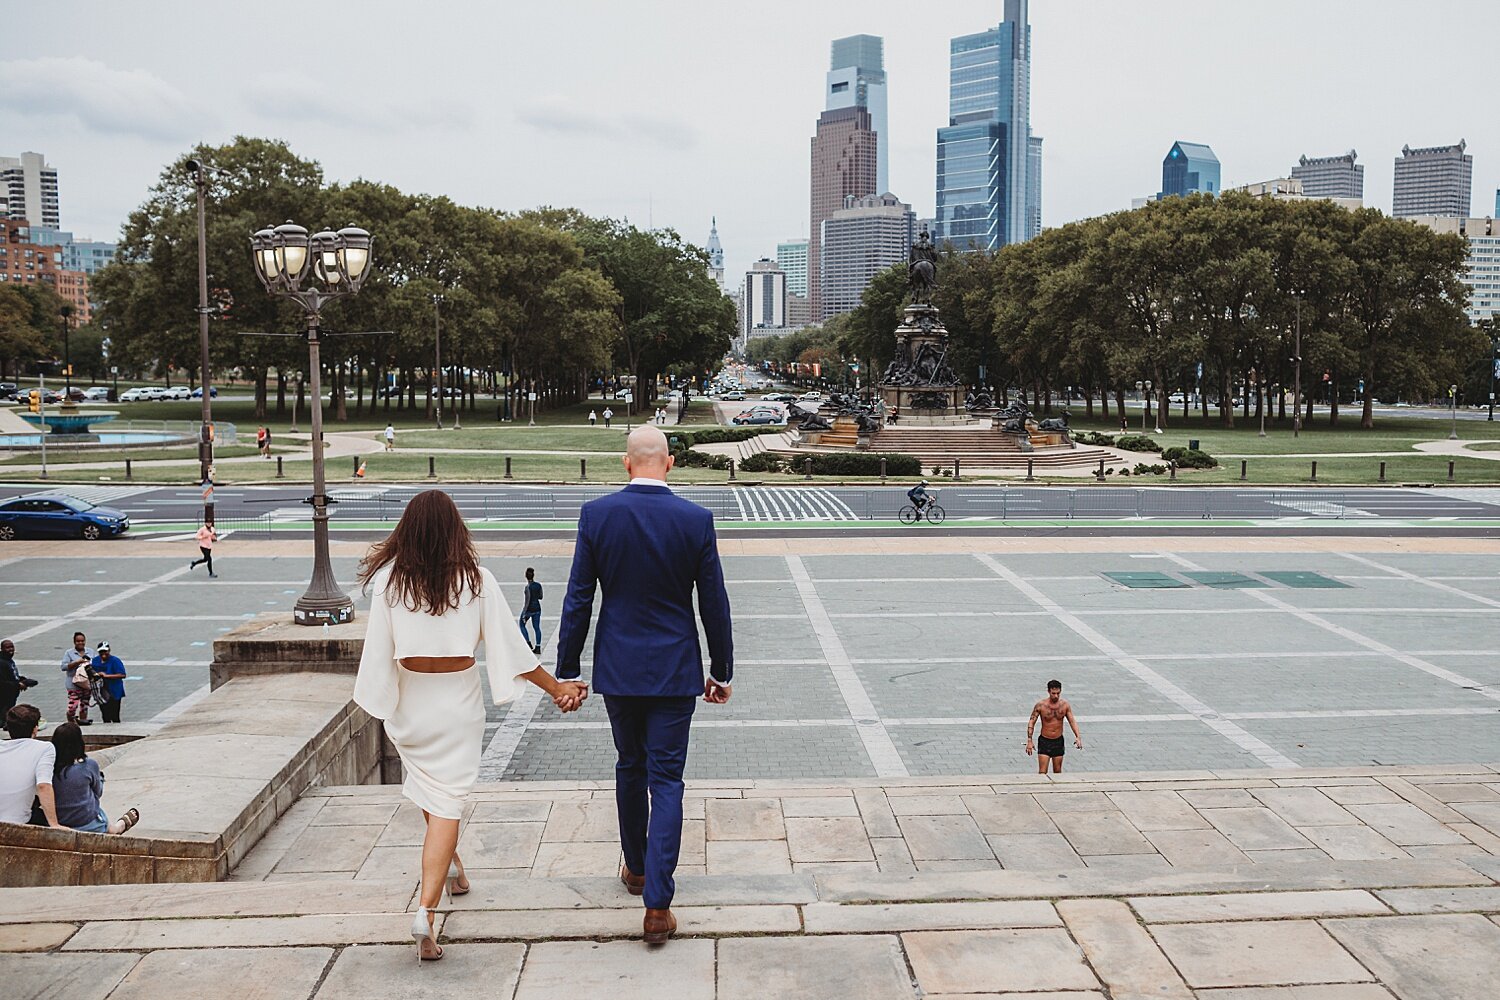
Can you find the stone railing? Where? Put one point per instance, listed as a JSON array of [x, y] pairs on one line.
[[212, 781]]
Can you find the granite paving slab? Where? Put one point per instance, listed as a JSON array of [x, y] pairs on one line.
[[547, 925], [1351, 843], [1158, 810], [363, 972], [1447, 956], [1470, 900], [619, 970], [255, 974], [831, 918], [243, 932], [1255, 829], [1277, 953], [1101, 832], [1404, 824], [944, 838], [996, 961], [1035, 851], [851, 968], [1121, 952], [499, 845], [63, 977], [831, 838], [1304, 807], [1009, 814], [1258, 906], [34, 937], [744, 819], [748, 857], [1196, 848]]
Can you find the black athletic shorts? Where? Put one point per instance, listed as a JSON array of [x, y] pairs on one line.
[[1050, 746]]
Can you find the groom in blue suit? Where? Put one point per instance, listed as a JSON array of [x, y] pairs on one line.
[[649, 549]]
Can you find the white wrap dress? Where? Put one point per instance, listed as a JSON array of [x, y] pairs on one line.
[[436, 721]]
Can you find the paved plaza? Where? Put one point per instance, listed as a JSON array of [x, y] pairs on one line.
[[867, 657]]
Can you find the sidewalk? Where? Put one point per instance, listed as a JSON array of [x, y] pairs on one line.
[[1340, 884]]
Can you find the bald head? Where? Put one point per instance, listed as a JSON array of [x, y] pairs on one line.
[[646, 453]]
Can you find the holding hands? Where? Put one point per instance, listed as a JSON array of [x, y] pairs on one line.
[[570, 696]]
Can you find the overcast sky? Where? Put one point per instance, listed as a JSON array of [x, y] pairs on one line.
[[672, 112]]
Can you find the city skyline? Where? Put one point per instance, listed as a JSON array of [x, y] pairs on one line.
[[110, 96]]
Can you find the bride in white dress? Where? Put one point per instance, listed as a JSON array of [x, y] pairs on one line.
[[431, 605]]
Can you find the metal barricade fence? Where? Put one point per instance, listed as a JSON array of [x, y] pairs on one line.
[[256, 526]]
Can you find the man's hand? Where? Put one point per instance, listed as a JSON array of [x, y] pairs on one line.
[[715, 693], [1030, 747], [1078, 742], [570, 696]]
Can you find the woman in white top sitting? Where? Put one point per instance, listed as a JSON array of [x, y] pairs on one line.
[[431, 606]]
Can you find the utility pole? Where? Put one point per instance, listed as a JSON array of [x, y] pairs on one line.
[[437, 356], [1297, 369], [1494, 365], [206, 430], [67, 312]]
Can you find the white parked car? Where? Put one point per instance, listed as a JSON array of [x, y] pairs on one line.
[[177, 392], [140, 393], [811, 395], [96, 394]]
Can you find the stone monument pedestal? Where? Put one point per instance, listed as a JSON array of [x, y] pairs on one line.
[[918, 385]]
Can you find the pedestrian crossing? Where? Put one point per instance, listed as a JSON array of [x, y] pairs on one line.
[[91, 494], [791, 503]]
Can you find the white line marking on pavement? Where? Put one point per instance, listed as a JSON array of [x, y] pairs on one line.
[[502, 748], [882, 751], [1261, 750], [1424, 581], [84, 613], [1456, 679]]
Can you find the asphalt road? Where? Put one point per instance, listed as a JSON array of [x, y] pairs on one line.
[[833, 506]]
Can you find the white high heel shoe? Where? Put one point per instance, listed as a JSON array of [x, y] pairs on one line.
[[425, 937], [450, 884]]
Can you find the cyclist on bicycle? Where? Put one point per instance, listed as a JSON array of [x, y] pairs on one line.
[[918, 495]]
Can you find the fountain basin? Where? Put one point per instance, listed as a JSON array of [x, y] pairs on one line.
[[68, 420]]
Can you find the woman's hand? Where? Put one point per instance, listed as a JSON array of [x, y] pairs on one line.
[[570, 696]]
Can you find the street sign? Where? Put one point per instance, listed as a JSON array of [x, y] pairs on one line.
[[1497, 369], [114, 369], [531, 396]]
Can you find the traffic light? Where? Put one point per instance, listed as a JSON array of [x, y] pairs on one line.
[[34, 401]]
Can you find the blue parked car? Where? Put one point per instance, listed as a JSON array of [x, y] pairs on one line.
[[58, 515], [213, 392]]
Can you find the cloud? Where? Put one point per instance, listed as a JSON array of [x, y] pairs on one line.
[[99, 97], [339, 102], [562, 116]]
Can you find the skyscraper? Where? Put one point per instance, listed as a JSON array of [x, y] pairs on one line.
[[843, 165], [860, 240], [989, 164], [792, 256], [28, 186], [1331, 176], [715, 254], [1438, 180], [1189, 168], [764, 297], [856, 79]]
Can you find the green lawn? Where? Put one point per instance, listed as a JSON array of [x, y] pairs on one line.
[[1393, 434], [1348, 471], [69, 456], [542, 437]]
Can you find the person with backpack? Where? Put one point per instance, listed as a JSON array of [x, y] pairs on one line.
[[531, 609]]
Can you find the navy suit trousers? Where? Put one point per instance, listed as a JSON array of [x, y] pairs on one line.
[[651, 739]]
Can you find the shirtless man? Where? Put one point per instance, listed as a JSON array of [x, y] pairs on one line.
[[1052, 710]]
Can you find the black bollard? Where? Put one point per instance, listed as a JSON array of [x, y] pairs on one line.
[[507, 467], [956, 469], [1100, 473], [1031, 470], [1450, 472], [731, 470], [1382, 472], [356, 465], [1315, 472], [431, 467], [1172, 470], [127, 468], [1244, 469], [882, 468], [807, 468], [279, 473], [583, 468]]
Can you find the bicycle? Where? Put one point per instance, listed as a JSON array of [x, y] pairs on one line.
[[911, 514]]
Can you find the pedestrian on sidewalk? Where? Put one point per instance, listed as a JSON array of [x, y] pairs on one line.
[[267, 453], [1052, 710], [206, 538], [12, 682], [531, 609], [75, 670], [593, 418], [390, 436], [263, 441], [608, 416], [111, 670]]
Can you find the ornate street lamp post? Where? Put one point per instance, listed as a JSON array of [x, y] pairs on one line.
[[286, 259], [1453, 403], [1144, 388]]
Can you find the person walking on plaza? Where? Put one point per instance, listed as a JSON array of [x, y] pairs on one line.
[[1052, 710], [12, 681], [650, 550], [206, 538], [431, 605], [111, 671], [263, 441], [75, 669], [608, 416], [390, 437], [78, 785], [26, 765], [531, 609], [593, 418]]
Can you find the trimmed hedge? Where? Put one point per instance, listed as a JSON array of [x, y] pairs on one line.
[[861, 463], [716, 435], [1094, 437], [1136, 442], [762, 461], [687, 458], [1190, 458]]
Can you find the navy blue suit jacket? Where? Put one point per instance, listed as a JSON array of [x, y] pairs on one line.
[[649, 549]]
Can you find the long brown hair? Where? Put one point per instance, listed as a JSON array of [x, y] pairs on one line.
[[431, 555]]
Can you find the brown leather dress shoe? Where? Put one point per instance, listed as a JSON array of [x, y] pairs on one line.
[[659, 925], [635, 884]]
